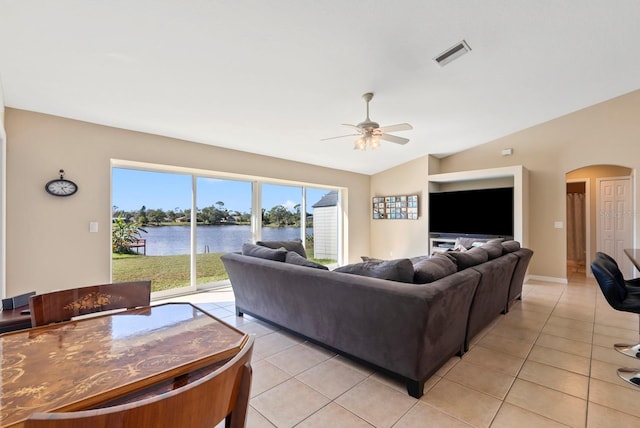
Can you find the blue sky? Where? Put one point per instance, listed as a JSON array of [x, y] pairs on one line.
[[134, 188]]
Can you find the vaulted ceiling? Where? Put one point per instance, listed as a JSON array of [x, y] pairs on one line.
[[275, 77]]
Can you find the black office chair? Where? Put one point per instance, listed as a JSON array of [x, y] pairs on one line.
[[633, 285], [616, 293]]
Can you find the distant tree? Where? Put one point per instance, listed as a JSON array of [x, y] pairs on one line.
[[142, 216], [281, 216], [156, 216]]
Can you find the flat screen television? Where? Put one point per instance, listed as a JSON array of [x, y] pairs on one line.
[[472, 212]]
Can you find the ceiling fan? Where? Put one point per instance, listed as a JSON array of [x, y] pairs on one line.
[[371, 132]]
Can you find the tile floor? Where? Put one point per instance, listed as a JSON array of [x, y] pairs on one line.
[[548, 363]]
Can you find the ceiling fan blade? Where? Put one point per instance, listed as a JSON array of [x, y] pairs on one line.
[[398, 127], [394, 139], [340, 136], [356, 127]]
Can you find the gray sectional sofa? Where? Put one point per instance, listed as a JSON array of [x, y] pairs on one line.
[[404, 328]]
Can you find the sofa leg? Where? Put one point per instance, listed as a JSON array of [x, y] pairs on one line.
[[239, 312], [415, 388]]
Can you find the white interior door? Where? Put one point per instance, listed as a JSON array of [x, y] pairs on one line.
[[615, 227]]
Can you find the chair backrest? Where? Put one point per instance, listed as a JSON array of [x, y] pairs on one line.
[[203, 403], [612, 286], [63, 305]]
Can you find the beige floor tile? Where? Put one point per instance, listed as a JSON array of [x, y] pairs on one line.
[[272, 343], [422, 415], [569, 346], [481, 379], [392, 382], [466, 404], [568, 332], [604, 417], [447, 366], [333, 415], [256, 420], [298, 358], [266, 376], [615, 397], [515, 347], [582, 311], [627, 335], [608, 341], [516, 333], [560, 321], [510, 416], [376, 403], [607, 372], [256, 328], [365, 370], [495, 360], [610, 355], [332, 377], [525, 319], [560, 407], [289, 403], [559, 359], [555, 378]]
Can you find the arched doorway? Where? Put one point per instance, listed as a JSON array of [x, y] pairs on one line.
[[591, 212]]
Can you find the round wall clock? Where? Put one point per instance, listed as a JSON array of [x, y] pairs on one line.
[[61, 187]]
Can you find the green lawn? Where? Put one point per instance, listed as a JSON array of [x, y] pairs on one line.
[[166, 272]]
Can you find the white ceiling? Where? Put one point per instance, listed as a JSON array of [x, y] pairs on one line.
[[274, 77]]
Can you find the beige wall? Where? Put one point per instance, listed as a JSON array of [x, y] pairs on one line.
[[606, 133], [392, 239], [48, 239]]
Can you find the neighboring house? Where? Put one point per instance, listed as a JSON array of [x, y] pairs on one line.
[[325, 224]]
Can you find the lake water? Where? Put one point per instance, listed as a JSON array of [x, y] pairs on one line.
[[170, 240]]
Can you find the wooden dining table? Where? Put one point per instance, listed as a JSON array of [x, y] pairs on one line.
[[90, 362]]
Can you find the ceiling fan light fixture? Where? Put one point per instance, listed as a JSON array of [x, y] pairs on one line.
[[360, 144], [374, 143], [452, 53]]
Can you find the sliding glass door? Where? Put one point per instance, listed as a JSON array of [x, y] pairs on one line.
[[151, 228], [173, 227]]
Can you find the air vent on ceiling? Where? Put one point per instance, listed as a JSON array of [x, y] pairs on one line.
[[452, 53]]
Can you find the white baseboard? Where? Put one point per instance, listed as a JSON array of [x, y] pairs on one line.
[[547, 279]]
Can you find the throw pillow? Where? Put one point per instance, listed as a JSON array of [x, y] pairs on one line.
[[510, 246], [400, 270], [295, 245], [296, 259], [431, 269], [473, 257], [370, 259], [493, 248], [264, 252]]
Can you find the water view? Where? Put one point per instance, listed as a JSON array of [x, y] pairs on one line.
[[173, 240]]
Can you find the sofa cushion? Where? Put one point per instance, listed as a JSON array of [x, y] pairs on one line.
[[430, 269], [473, 257], [493, 248], [296, 259], [510, 246], [295, 245], [467, 243], [370, 259], [278, 255], [400, 270]]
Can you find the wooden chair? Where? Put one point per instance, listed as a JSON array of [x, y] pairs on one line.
[[63, 305], [222, 394]]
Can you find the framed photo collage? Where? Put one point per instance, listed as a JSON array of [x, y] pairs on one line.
[[395, 207]]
